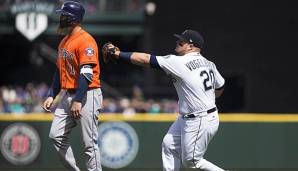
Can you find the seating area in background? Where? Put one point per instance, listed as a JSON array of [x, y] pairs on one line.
[[29, 99]]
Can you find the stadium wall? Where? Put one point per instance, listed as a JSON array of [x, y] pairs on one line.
[[243, 142]]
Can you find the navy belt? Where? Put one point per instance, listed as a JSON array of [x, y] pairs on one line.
[[193, 115]]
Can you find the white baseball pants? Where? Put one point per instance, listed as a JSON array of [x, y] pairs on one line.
[[187, 140], [63, 123]]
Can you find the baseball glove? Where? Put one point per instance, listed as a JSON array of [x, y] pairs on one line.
[[108, 52]]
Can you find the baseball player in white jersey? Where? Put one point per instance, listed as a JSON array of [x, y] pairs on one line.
[[198, 83]]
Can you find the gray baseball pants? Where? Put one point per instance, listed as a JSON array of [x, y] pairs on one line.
[[187, 140], [63, 123]]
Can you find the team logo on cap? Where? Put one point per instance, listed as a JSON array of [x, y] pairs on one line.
[[89, 52], [118, 144], [20, 144]]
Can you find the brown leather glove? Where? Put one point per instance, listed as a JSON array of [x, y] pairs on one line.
[[108, 53]]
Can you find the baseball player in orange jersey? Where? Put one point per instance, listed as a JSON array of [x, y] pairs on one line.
[[77, 76]]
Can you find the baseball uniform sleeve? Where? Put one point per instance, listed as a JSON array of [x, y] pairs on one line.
[[167, 64], [88, 51]]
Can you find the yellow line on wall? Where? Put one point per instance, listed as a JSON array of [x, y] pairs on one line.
[[254, 117], [166, 117]]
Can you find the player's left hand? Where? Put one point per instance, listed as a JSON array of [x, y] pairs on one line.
[[75, 109]]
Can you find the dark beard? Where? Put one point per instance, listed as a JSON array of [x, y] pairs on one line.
[[64, 30], [66, 25]]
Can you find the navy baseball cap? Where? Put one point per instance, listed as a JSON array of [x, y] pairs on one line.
[[191, 36]]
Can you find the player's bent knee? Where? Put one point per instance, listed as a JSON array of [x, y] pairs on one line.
[[188, 163], [191, 163], [51, 136]]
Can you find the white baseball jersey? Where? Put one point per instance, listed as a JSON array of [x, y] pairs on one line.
[[195, 79]]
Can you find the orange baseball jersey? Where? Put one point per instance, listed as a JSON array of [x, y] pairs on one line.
[[73, 52]]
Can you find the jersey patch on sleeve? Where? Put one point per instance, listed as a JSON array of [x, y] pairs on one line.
[[89, 51]]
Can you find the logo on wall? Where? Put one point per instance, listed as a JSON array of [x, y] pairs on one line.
[[31, 24], [119, 144], [31, 17], [20, 144]]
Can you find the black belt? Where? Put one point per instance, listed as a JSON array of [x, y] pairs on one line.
[[212, 110], [73, 91], [193, 115]]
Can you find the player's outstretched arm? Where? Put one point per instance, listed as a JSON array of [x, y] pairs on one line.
[[141, 59], [137, 58]]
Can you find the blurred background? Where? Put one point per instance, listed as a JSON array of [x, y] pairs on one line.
[[252, 42]]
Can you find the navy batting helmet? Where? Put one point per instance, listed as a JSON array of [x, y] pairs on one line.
[[73, 10]]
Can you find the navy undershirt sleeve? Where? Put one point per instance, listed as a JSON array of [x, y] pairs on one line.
[[83, 85], [153, 62], [55, 87], [125, 56]]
